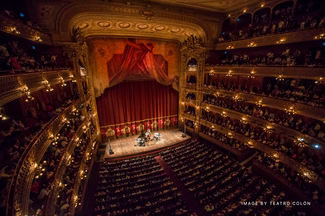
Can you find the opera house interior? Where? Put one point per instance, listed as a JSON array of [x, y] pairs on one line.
[[162, 107]]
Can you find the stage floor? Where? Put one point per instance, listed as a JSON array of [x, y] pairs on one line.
[[125, 146]]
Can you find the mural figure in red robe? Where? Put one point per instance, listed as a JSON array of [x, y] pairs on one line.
[[138, 61]]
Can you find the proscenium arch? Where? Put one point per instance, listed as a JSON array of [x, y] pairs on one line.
[[64, 21], [89, 22]]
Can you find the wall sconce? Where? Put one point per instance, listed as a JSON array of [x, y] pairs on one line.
[[262, 5], [229, 73], [26, 91], [13, 30], [223, 114], [229, 15], [243, 120], [62, 82], [281, 41], [318, 37], [38, 38], [230, 47], [252, 44], [47, 86], [290, 111], [268, 129], [235, 98], [249, 144], [280, 78], [252, 75], [244, 10], [300, 142], [3, 116], [259, 103], [320, 80]]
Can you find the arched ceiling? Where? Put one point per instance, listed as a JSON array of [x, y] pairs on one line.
[[94, 24], [95, 19], [113, 18]]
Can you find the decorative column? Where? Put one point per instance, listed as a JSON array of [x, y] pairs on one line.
[[191, 48], [79, 52]]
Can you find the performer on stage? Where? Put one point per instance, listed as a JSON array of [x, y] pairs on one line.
[[148, 133]]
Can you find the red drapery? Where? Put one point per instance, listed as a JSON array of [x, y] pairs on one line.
[[130, 104], [138, 60]]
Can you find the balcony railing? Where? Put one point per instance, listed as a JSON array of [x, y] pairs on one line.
[[264, 123], [317, 180], [22, 178], [288, 186], [190, 117], [290, 37], [11, 86], [77, 182], [49, 206], [15, 27], [277, 103], [241, 155], [312, 73]]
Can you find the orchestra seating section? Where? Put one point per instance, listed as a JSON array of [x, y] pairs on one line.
[[216, 182], [137, 186]]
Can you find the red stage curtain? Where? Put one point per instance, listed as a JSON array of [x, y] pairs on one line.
[[129, 102]]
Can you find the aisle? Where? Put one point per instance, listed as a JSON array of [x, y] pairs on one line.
[[186, 195]]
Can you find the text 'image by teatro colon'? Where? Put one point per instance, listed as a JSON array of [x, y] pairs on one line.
[[162, 108]]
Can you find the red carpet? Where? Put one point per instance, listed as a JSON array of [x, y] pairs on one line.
[[187, 196]]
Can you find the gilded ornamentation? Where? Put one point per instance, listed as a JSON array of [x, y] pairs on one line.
[[291, 37], [52, 198], [302, 109], [191, 43], [264, 123], [149, 14], [25, 31], [10, 86], [20, 187], [69, 20], [270, 151]]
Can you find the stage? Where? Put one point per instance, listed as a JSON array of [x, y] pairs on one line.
[[126, 146]]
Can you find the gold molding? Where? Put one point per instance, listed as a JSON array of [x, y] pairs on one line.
[[24, 173], [290, 37], [11, 85], [312, 73], [290, 133], [314, 177], [302, 109], [23, 31]]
